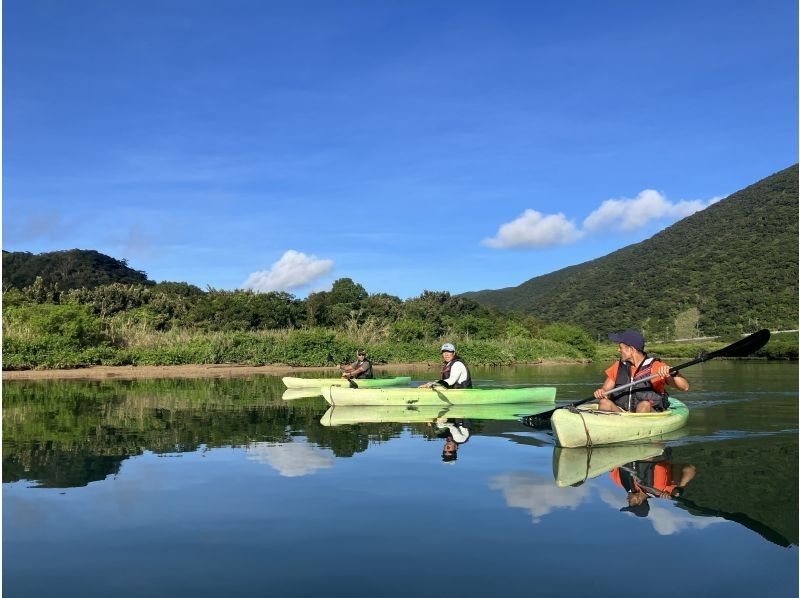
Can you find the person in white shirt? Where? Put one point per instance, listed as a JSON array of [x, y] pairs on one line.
[[455, 373]]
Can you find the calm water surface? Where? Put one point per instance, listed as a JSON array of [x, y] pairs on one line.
[[221, 487]]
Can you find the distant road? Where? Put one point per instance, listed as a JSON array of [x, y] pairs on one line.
[[709, 338]]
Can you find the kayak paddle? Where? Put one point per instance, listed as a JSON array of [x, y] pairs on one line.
[[350, 380], [740, 348]]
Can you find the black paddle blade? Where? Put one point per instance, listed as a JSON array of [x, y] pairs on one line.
[[352, 383], [539, 422], [745, 346]]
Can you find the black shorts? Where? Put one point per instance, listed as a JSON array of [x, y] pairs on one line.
[[657, 402]]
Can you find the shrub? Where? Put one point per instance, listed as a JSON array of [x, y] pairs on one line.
[[67, 325], [410, 330], [573, 336]]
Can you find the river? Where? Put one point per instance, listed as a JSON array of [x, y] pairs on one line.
[[220, 487]]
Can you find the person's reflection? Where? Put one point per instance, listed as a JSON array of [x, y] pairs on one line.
[[653, 478], [455, 433]]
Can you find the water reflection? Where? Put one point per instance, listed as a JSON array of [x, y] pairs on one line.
[[291, 459], [649, 473], [373, 414], [63, 435], [455, 432]]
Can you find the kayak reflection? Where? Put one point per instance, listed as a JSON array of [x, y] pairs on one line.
[[572, 467], [648, 472], [379, 414], [290, 394]]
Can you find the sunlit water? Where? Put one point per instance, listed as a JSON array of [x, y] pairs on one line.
[[220, 487]]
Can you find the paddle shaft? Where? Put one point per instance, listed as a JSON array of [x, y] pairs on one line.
[[740, 348], [648, 489]]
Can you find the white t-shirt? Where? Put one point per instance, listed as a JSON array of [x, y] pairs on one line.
[[458, 373], [460, 434]]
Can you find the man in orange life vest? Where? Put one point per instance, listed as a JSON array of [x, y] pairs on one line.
[[643, 479], [634, 364]]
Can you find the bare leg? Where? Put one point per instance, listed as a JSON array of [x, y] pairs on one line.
[[608, 405]]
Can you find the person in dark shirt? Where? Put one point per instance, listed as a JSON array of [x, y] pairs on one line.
[[360, 369]]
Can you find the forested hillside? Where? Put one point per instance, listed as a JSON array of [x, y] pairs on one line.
[[732, 267], [72, 269]]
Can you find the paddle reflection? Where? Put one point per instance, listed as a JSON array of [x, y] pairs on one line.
[[656, 477], [655, 480]]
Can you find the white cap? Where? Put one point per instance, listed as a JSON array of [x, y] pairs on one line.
[[449, 347]]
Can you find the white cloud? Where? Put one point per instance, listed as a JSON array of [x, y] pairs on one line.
[[534, 229], [292, 459], [536, 493], [631, 214], [294, 269]]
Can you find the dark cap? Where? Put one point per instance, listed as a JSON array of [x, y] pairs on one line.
[[632, 338], [641, 510], [362, 352]]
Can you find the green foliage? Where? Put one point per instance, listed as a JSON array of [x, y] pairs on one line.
[[516, 330], [410, 330], [180, 289], [571, 335], [71, 269], [731, 268], [312, 347], [780, 346], [245, 310], [69, 326], [381, 307]]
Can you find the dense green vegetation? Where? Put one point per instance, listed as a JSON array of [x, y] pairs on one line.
[[731, 268], [172, 324], [69, 269]]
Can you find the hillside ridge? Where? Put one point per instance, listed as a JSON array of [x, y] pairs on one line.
[[731, 267]]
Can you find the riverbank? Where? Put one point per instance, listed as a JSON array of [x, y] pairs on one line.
[[132, 372]]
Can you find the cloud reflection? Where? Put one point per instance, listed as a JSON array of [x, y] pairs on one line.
[[291, 459], [537, 493], [666, 521]]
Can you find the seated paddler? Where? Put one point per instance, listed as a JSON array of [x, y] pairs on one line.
[[360, 369], [635, 364], [455, 373]]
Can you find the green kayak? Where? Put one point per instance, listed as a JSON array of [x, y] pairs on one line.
[[338, 395], [589, 427], [575, 465], [291, 382], [407, 414]]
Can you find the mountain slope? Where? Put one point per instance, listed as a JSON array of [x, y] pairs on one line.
[[728, 268], [71, 269]]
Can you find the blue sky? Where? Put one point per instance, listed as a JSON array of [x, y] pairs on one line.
[[407, 145]]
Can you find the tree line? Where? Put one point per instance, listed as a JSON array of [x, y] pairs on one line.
[[170, 322]]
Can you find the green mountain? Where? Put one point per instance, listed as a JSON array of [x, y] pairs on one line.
[[71, 269], [732, 267]]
